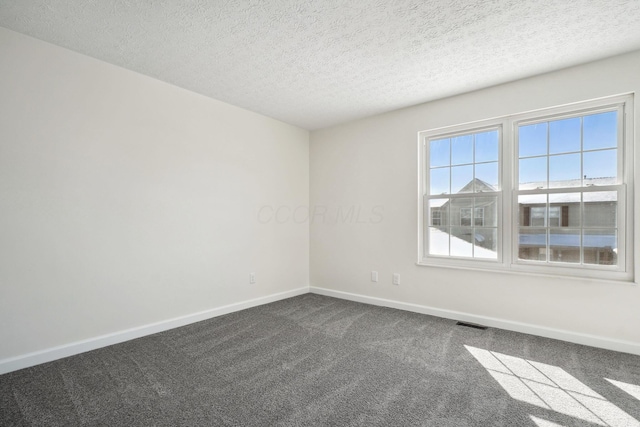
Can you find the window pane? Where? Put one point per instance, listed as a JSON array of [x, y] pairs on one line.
[[439, 152], [487, 208], [461, 242], [538, 216], [439, 181], [564, 245], [485, 243], [438, 241], [532, 244], [564, 171], [461, 210], [488, 174], [564, 210], [528, 204], [600, 247], [478, 219], [465, 217], [553, 219], [600, 131], [436, 218], [601, 209], [600, 165], [462, 149], [532, 140], [533, 173], [487, 146], [439, 212], [564, 135], [462, 179]]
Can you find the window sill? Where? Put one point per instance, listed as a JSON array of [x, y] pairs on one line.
[[518, 271]]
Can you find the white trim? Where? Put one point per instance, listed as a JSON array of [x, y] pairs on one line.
[[519, 270], [628, 159], [71, 349], [31, 359], [526, 328]]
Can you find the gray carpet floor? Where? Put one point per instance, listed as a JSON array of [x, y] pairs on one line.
[[314, 360]]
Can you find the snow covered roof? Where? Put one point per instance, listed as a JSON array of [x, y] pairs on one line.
[[588, 197], [570, 183], [478, 186], [599, 196], [531, 199]]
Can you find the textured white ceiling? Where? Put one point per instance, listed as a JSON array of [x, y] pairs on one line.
[[319, 63]]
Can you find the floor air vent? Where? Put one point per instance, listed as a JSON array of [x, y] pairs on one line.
[[471, 325]]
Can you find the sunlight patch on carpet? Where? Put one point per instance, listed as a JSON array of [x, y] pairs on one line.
[[553, 388]]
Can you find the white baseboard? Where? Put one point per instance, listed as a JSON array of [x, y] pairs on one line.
[[55, 353], [574, 337], [59, 352]]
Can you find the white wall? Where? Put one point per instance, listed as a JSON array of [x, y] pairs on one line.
[[372, 162], [126, 201]]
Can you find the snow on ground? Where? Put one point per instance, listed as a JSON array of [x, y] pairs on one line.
[[439, 245]]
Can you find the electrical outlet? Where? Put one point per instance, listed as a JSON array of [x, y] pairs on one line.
[[252, 278], [396, 278], [374, 276]]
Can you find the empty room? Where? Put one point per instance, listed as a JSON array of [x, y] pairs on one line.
[[298, 213]]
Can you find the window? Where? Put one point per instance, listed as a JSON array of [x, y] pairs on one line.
[[548, 191], [537, 216], [436, 217], [465, 217], [463, 173]]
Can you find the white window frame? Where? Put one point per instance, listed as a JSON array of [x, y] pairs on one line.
[[507, 244], [450, 132]]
